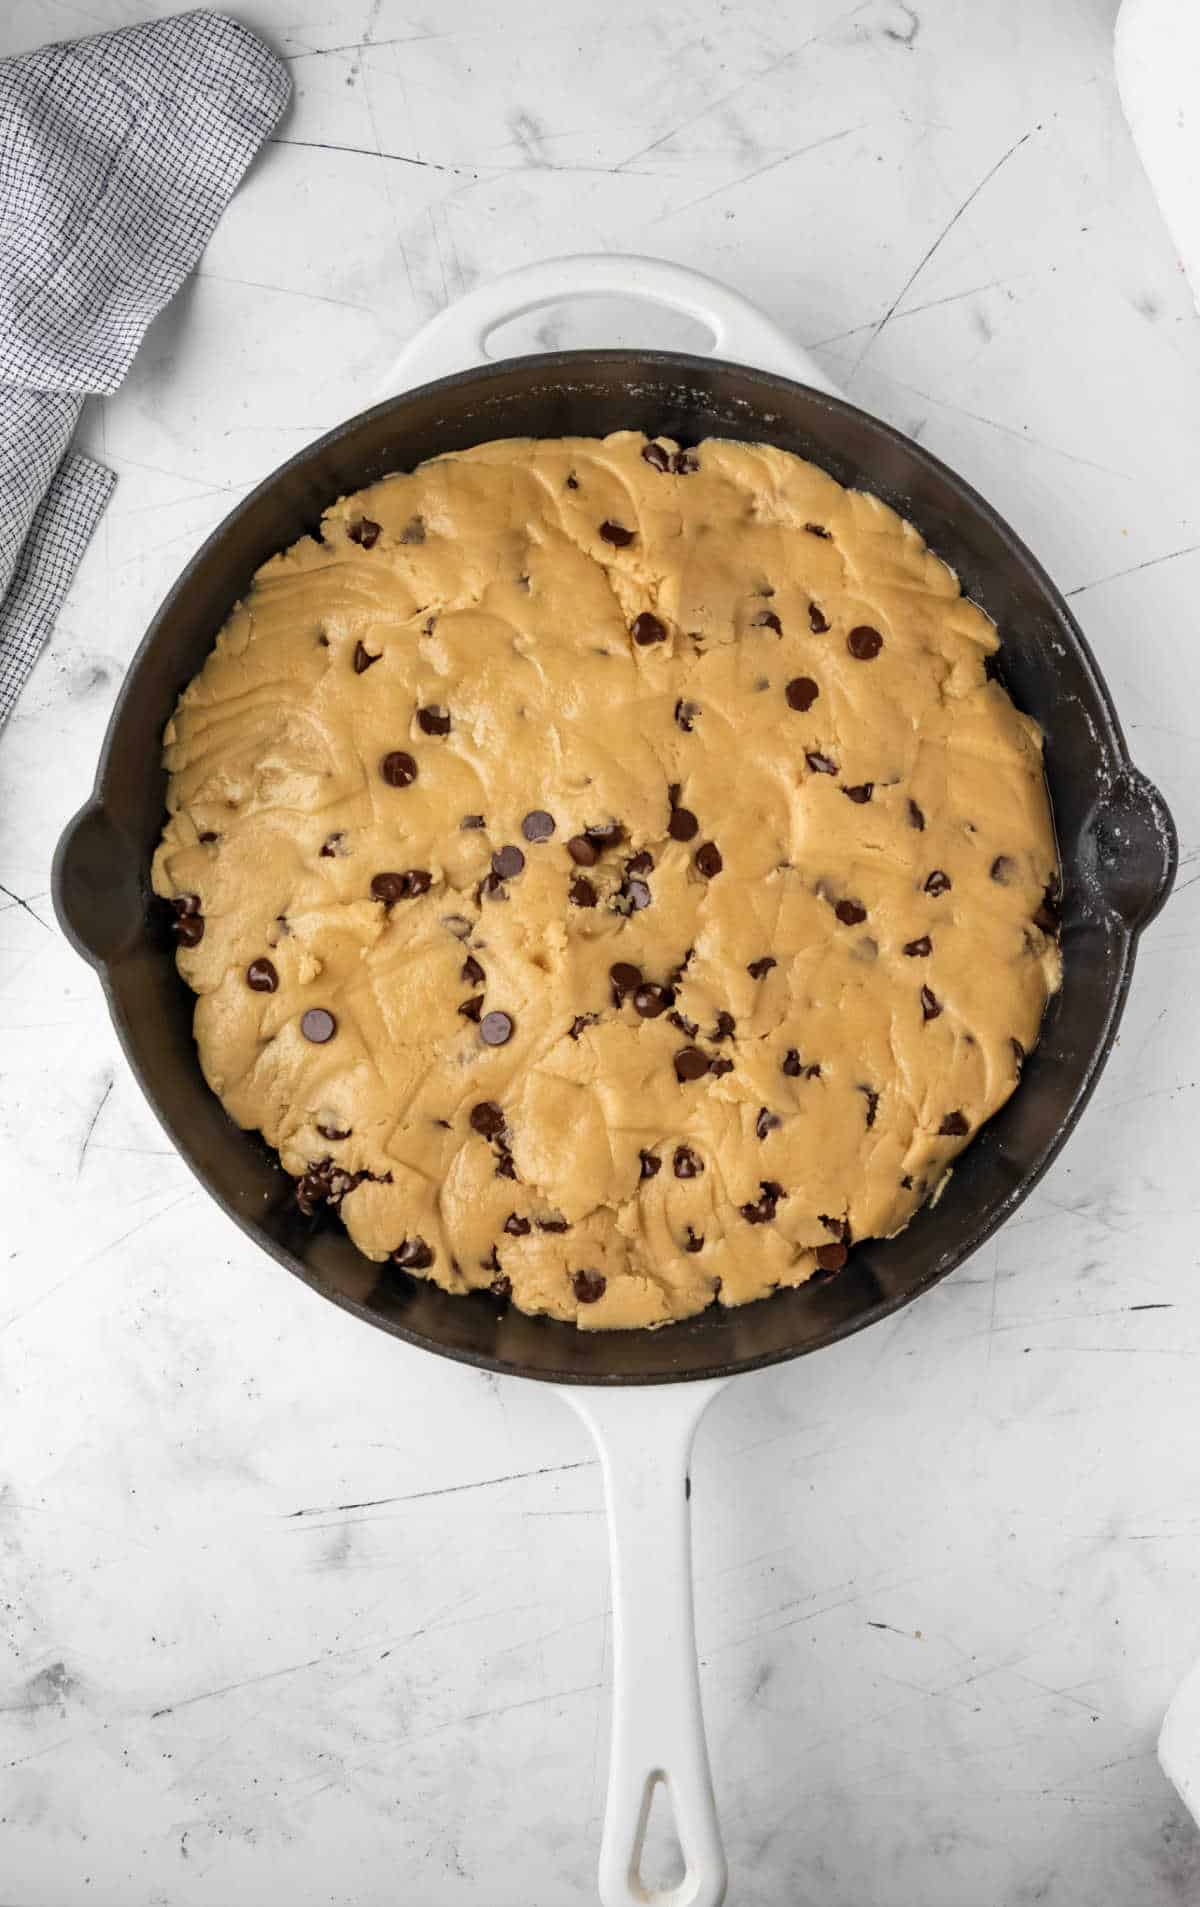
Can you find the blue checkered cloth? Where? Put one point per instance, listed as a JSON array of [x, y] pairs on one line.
[[117, 157]]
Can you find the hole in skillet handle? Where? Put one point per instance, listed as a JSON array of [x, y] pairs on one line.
[[1129, 850]]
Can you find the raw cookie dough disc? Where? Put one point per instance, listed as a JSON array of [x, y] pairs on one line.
[[608, 874]]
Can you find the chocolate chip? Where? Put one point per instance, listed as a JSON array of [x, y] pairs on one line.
[[656, 456], [767, 619], [207, 836], [1002, 869], [685, 715], [413, 531], [919, 949], [831, 1257], [816, 620], [792, 1064], [840, 1227], [860, 794], [363, 531], [954, 1126], [189, 928], [537, 825], [648, 629], [616, 534], [762, 1212], [651, 1164], [389, 888], [261, 976], [801, 692], [931, 1006], [821, 764], [850, 913], [578, 1024], [472, 972], [864, 643], [906, 1182], [434, 721], [505, 1169], [725, 1027], [636, 894], [507, 863], [688, 1164], [552, 1224], [678, 1020], [818, 529], [581, 893], [683, 825], [572, 482], [708, 860], [605, 835], [939, 882], [413, 1254], [625, 977], [690, 1063], [496, 1029], [915, 818], [583, 852], [719, 1066], [363, 659], [471, 1009], [684, 464], [419, 880], [487, 1119], [642, 863], [186, 905], [694, 1240], [758, 969], [872, 1099], [470, 821], [516, 1226], [398, 769], [766, 1122], [333, 1133], [491, 888], [590, 1286], [1049, 912], [318, 1025]]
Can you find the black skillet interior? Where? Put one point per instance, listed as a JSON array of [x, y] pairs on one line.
[[1115, 833]]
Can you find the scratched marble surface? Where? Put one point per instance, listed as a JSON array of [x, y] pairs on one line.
[[294, 1613]]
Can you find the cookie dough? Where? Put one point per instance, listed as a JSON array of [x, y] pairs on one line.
[[608, 874]]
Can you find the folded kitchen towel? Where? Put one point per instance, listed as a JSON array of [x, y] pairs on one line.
[[117, 157]]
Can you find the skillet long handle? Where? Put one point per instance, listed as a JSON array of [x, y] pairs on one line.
[[457, 337], [644, 1436]]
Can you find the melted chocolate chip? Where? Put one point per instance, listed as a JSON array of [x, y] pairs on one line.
[[766, 1122], [318, 1025], [496, 1029], [931, 1006], [261, 976], [471, 821], [472, 972], [831, 1257], [537, 825], [690, 1063], [850, 913], [688, 1164], [363, 659], [363, 531], [616, 534], [650, 1000], [656, 456], [816, 620], [471, 1009], [651, 1164], [864, 643], [939, 882], [516, 1226], [767, 619], [919, 949], [685, 715], [915, 817], [683, 825], [583, 852], [860, 794], [434, 721], [413, 1254], [1002, 869], [398, 769], [758, 969], [872, 1099], [821, 764], [954, 1126], [590, 1286], [648, 629], [581, 893], [507, 863], [708, 860], [801, 692]]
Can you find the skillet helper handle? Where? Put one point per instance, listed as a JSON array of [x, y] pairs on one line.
[[457, 338], [644, 1436]]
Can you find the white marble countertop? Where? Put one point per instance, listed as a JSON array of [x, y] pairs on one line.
[[293, 1613]]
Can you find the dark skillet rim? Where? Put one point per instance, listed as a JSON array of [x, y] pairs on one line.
[[558, 365]]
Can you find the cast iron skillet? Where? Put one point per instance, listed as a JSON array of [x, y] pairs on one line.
[[1116, 837]]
